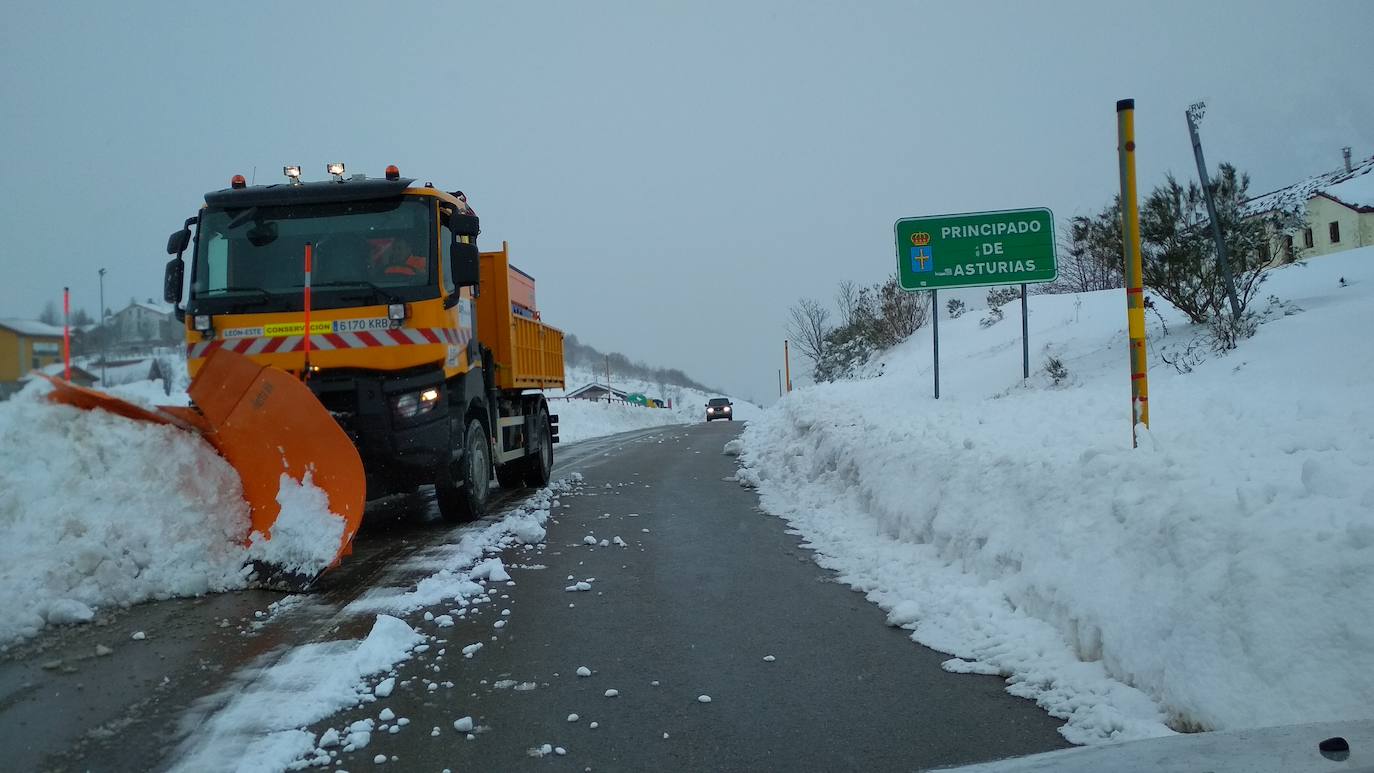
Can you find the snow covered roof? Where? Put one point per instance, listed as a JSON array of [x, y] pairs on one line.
[[1356, 191], [594, 386], [153, 307], [1293, 196], [31, 327]]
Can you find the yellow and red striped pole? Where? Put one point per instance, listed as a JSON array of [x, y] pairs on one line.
[[67, 335], [1130, 241]]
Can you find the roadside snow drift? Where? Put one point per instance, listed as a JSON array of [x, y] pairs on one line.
[[98, 510], [1220, 576]]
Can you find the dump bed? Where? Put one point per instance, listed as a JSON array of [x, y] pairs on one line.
[[528, 353]]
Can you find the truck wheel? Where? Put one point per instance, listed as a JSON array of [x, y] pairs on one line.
[[539, 463], [465, 499]]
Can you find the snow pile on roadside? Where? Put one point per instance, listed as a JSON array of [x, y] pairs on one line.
[[257, 723], [98, 510], [306, 536], [1218, 577], [459, 566]]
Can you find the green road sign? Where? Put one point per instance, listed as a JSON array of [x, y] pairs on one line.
[[1012, 246]]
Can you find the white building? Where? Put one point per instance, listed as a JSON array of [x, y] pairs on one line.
[[143, 325], [1338, 208]]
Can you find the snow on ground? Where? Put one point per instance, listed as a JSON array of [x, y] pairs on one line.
[[98, 510], [256, 725], [458, 567], [1218, 577], [306, 536]]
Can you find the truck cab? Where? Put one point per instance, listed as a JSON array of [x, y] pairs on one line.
[[374, 292]]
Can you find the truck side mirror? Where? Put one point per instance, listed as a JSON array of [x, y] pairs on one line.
[[171, 280], [463, 266], [464, 225], [178, 241]]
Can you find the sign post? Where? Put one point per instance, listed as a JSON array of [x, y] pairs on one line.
[[976, 249]]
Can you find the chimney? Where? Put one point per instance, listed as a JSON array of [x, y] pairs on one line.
[[1345, 152]]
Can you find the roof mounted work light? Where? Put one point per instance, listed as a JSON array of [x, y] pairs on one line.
[[293, 173], [336, 170]]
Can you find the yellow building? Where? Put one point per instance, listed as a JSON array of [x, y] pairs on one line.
[[27, 345], [1336, 210]]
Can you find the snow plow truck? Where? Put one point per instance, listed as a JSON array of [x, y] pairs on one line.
[[351, 330]]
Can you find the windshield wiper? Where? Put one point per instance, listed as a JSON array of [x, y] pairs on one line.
[[377, 291]]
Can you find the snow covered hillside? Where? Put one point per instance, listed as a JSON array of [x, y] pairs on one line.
[[582, 419], [1221, 576]]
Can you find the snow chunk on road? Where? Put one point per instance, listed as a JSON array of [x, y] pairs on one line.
[[769, 658], [703, 699], [491, 569], [98, 510], [573, 717], [584, 671], [67, 611], [384, 687], [463, 725], [589, 540], [612, 693], [139, 636], [265, 706], [580, 586], [306, 536]]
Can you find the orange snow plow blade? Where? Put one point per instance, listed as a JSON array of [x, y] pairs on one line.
[[264, 423]]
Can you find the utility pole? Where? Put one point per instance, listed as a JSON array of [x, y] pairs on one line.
[[104, 333], [1195, 112], [609, 393], [779, 382]]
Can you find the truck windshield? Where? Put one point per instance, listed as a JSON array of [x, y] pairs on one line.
[[254, 258]]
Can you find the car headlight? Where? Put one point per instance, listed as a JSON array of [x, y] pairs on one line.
[[412, 404]]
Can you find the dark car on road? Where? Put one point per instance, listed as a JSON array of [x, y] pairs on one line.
[[720, 408]]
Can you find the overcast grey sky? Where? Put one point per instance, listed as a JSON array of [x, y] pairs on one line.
[[673, 174]]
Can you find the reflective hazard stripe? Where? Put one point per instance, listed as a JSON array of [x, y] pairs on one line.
[[362, 339]]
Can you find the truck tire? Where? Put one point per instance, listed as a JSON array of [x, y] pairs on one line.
[[462, 494], [539, 463]]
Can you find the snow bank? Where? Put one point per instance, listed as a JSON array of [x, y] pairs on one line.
[[1218, 577], [305, 537], [259, 725], [98, 510]]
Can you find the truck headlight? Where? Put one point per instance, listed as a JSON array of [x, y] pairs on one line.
[[201, 322], [396, 312], [413, 404]]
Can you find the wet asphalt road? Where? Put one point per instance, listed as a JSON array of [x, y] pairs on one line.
[[706, 587]]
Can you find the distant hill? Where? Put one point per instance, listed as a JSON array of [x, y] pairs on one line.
[[587, 357]]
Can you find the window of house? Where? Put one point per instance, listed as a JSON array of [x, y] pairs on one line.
[[1334, 231], [1307, 237]]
